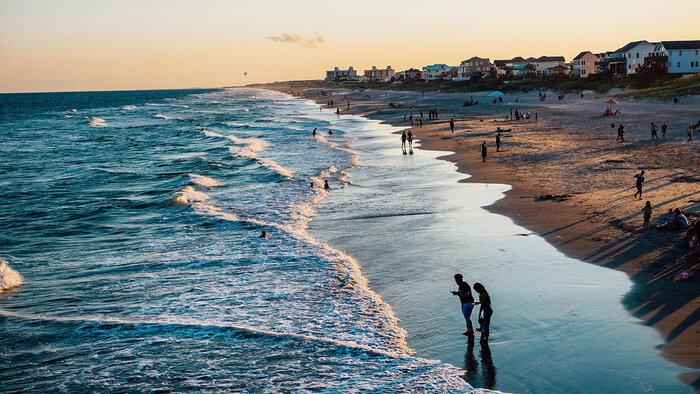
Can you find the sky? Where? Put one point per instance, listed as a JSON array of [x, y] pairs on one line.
[[68, 45]]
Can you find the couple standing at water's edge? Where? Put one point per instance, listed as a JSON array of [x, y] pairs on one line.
[[467, 299]]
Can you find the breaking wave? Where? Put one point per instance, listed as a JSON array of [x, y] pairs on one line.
[[9, 278]]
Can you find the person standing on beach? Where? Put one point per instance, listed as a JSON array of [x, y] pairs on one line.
[[498, 142], [663, 130], [465, 297], [647, 214], [511, 114], [452, 125], [485, 311], [483, 152], [621, 133], [409, 136], [639, 184], [654, 129], [403, 141]]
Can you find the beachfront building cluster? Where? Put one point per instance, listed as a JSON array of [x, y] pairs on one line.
[[338, 74], [672, 57], [380, 74]]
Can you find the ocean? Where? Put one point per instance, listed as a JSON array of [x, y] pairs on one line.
[[132, 221]]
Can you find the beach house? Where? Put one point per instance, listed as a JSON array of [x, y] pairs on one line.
[[683, 56], [549, 65], [412, 74], [380, 74], [473, 67], [634, 54], [435, 71], [584, 64], [337, 73]]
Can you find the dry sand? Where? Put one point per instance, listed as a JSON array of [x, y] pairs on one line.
[[570, 153]]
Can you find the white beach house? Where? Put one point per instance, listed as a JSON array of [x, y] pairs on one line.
[[634, 54], [584, 64]]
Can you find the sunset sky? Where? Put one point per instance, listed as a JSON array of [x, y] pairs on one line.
[[114, 45]]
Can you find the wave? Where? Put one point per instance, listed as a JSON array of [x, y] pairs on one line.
[[96, 122], [9, 278], [129, 107], [190, 195], [161, 116], [204, 180], [249, 152]]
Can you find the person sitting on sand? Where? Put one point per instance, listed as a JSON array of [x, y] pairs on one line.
[[485, 311], [483, 151], [639, 183], [325, 185], [467, 300], [680, 222], [647, 214]]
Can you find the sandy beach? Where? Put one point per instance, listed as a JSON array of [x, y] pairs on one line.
[[573, 183]]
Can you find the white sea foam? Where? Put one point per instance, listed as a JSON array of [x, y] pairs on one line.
[[190, 195], [129, 107], [9, 278], [96, 122], [161, 116], [204, 180]]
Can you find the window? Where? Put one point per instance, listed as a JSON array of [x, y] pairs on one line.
[[583, 71], [679, 64], [637, 55], [680, 53]]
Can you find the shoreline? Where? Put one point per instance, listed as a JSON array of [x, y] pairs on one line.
[[579, 219]]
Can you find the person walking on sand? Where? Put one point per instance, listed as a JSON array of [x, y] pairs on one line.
[[403, 141], [498, 142], [639, 184], [465, 297], [483, 152], [654, 129], [690, 133], [452, 125], [663, 130], [647, 214], [485, 311], [621, 133]]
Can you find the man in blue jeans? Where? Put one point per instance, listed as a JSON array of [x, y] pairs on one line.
[[467, 300]]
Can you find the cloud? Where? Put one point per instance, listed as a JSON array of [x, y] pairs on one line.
[[297, 39]]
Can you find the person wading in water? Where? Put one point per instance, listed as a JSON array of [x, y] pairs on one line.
[[467, 300]]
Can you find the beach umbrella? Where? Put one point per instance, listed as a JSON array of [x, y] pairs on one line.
[[496, 93], [611, 101]]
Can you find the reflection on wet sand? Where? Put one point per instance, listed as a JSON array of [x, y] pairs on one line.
[[471, 366]]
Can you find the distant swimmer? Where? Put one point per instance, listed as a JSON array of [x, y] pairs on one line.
[[326, 186], [263, 234], [330, 131], [465, 297], [313, 134], [202, 129], [311, 184]]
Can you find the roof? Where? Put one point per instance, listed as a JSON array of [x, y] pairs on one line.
[[582, 54], [630, 46], [517, 60], [693, 44], [551, 59], [558, 68], [475, 58], [436, 67], [500, 63]]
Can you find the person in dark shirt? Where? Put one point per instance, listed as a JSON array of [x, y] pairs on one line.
[[664, 127], [452, 125], [485, 311], [467, 300], [639, 184], [483, 151]]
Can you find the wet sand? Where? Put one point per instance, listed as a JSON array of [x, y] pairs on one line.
[[572, 183]]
